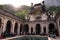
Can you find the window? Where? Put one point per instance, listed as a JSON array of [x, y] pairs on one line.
[[38, 18]]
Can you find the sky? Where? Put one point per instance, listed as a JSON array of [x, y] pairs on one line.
[[17, 3]]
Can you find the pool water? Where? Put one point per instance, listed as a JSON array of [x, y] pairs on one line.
[[31, 38]]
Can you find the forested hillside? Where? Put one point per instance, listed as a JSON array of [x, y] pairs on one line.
[[20, 12], [24, 10], [53, 8]]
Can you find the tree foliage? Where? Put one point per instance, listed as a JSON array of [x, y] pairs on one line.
[[53, 8], [8, 8], [22, 11], [1, 6]]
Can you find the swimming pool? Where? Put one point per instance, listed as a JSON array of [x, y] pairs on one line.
[[28, 38]]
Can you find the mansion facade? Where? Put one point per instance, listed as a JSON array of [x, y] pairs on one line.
[[37, 22]]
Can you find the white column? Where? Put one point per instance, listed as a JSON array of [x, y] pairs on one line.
[[12, 27], [30, 29], [41, 30], [34, 30], [1, 30], [47, 30], [4, 26], [58, 27], [18, 30]]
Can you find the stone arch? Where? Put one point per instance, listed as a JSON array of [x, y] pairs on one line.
[[8, 26], [16, 28], [26, 28], [52, 29], [38, 29]]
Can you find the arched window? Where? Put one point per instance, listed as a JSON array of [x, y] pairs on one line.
[[8, 26], [52, 29], [16, 28], [26, 28], [38, 29]]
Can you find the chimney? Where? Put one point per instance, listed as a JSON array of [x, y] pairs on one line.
[[43, 2], [31, 4]]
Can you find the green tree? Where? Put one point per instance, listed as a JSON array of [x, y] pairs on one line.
[[22, 11], [1, 6], [53, 8]]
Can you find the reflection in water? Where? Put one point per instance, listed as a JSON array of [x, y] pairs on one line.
[[31, 38], [37, 39]]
